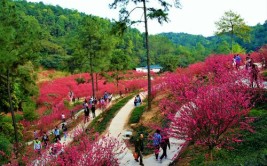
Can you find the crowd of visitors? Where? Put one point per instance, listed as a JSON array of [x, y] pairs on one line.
[[251, 67], [237, 61], [137, 100], [93, 103], [88, 105], [162, 142], [159, 142]]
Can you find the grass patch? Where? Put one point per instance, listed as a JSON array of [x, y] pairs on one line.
[[258, 112], [100, 123], [264, 74], [137, 114], [252, 151]]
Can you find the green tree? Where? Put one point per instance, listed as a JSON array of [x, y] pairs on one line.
[[232, 24], [161, 14], [238, 49], [119, 63], [223, 48], [160, 46], [93, 45], [19, 40], [184, 56], [169, 62]]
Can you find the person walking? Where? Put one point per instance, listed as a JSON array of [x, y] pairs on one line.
[[234, 61], [263, 62], [56, 133], [248, 61], [164, 144], [72, 113], [63, 118], [156, 143], [139, 148], [102, 103], [45, 139], [106, 96], [110, 97], [254, 75], [35, 134], [37, 146], [93, 110], [86, 114], [64, 129], [238, 61]]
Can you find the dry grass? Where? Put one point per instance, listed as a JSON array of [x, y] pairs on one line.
[[154, 115], [49, 75]]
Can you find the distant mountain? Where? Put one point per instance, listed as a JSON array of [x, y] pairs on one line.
[[185, 39], [258, 38]]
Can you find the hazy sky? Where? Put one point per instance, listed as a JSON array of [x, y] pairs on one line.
[[195, 17]]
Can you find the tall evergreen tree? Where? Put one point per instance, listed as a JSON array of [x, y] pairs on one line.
[[19, 40], [161, 14], [93, 45]]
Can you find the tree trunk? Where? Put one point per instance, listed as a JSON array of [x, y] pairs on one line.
[[13, 115], [92, 75], [96, 81], [117, 80], [149, 99], [211, 155], [232, 36]]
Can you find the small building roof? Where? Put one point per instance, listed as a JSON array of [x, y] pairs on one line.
[[152, 67]]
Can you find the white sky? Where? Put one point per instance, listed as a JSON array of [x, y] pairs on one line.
[[195, 17]]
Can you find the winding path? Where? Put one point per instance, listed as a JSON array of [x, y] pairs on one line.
[[117, 129]]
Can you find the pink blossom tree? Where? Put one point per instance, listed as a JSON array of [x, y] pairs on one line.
[[207, 112], [88, 152]]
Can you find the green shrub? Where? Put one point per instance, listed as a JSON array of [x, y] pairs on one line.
[[5, 146], [108, 115], [257, 112], [80, 80], [198, 161], [29, 110], [260, 99], [136, 114], [8, 119]]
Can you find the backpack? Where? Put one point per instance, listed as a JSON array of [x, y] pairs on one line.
[[45, 138], [156, 139], [64, 128]]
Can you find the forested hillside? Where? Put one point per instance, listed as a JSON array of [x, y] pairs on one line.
[[61, 26], [213, 43]]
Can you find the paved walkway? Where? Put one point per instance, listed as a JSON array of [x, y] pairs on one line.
[[50, 132], [71, 135], [117, 129]]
